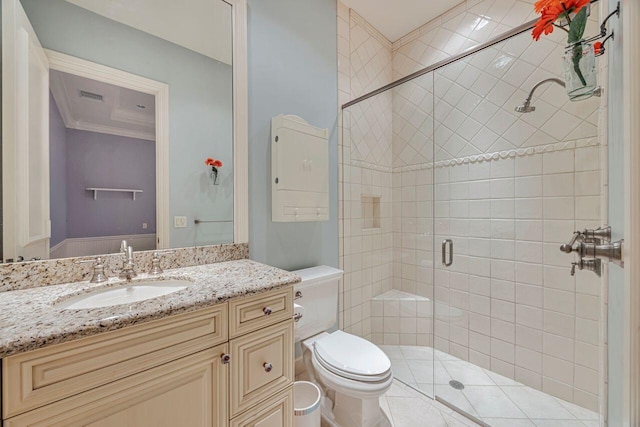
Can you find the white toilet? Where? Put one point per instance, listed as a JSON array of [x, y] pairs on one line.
[[352, 372]]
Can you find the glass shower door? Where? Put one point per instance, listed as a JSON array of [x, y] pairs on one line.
[[515, 334], [413, 154]]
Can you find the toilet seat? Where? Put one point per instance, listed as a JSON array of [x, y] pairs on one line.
[[352, 357]]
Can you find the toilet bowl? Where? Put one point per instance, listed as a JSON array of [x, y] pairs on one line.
[[352, 372]]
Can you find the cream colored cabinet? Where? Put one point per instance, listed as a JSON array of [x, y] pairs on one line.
[[191, 391], [299, 170], [275, 412], [181, 370]]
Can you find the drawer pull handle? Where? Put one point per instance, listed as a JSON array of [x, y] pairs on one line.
[[226, 358], [267, 367], [298, 295], [267, 311]]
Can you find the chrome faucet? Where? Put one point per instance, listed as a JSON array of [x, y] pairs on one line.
[[128, 271], [593, 247]]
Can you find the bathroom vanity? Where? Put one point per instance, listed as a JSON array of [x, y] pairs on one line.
[[217, 353]]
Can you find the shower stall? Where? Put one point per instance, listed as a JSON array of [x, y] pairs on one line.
[[459, 183]]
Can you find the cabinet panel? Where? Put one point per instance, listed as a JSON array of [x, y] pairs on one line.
[[191, 391], [318, 165], [262, 364], [291, 161], [277, 412], [39, 377], [250, 314]]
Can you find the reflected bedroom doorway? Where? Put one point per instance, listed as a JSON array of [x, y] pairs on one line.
[[102, 140]]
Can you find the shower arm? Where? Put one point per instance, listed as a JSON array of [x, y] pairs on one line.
[[553, 79]]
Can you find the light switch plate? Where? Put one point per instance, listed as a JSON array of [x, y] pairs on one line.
[[179, 222]]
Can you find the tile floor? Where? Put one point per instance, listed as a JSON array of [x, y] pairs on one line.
[[406, 407], [492, 398]]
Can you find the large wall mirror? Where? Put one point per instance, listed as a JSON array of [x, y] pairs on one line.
[[122, 120]]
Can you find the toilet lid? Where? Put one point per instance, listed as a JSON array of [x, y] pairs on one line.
[[352, 357]]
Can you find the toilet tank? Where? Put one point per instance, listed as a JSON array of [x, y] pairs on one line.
[[319, 301]]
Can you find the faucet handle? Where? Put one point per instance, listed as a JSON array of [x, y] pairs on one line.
[[99, 275], [568, 247], [123, 246], [155, 264]]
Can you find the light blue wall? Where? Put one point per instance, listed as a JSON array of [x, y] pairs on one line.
[[292, 70], [615, 320], [200, 100]]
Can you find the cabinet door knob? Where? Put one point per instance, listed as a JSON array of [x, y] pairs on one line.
[[267, 367], [267, 311], [225, 358]]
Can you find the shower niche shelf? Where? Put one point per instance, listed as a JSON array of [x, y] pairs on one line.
[[370, 212]]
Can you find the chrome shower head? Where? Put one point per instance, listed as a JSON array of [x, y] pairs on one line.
[[527, 107]]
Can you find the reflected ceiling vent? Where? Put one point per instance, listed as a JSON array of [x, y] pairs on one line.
[[91, 95]]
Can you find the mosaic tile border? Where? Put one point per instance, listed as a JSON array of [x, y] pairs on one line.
[[487, 157]]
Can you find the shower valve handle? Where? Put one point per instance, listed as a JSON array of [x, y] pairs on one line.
[[568, 247]]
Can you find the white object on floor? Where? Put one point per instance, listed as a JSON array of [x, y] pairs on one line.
[[355, 370], [306, 404]]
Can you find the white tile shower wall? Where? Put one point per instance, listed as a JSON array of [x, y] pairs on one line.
[[526, 317], [508, 302], [514, 311], [364, 58], [470, 23]]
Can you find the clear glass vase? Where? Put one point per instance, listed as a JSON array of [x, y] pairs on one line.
[[213, 175], [580, 70]]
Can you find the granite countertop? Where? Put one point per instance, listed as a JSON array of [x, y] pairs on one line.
[[30, 318]]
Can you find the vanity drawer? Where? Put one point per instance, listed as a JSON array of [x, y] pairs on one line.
[[261, 365], [278, 411], [39, 377], [253, 313]]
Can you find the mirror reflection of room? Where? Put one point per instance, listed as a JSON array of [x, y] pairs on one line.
[[102, 167], [133, 97]]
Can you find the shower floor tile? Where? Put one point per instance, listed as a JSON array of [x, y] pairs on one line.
[[407, 407], [491, 398]]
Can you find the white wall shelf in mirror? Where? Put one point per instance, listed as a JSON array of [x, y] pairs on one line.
[[113, 190]]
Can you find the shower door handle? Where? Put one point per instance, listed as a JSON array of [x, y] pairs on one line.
[[446, 242]]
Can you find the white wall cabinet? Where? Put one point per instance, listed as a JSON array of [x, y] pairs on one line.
[[164, 373], [300, 170]]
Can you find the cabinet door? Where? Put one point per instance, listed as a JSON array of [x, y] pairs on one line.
[[277, 412], [317, 165], [291, 160], [40, 377], [261, 365], [191, 391]]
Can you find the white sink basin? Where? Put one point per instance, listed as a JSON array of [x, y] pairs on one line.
[[134, 292]]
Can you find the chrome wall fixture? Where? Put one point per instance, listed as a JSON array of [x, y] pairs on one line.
[[527, 107], [593, 247]]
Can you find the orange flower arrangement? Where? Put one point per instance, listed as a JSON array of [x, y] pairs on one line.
[[552, 10], [213, 162], [214, 165]]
